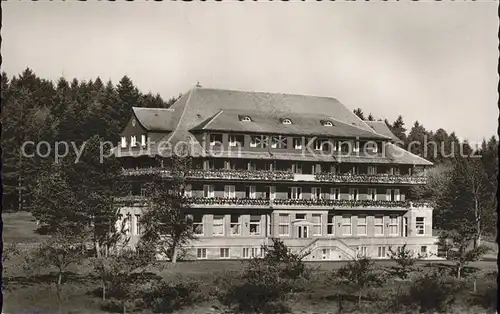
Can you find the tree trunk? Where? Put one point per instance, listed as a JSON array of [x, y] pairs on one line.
[[477, 216], [359, 298], [97, 249], [103, 287], [174, 253], [459, 271], [58, 289]]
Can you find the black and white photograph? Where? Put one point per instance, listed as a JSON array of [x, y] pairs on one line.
[[260, 157]]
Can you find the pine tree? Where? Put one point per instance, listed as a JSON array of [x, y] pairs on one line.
[[359, 113], [370, 117], [398, 129]]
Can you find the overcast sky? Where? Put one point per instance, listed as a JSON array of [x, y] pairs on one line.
[[434, 62]]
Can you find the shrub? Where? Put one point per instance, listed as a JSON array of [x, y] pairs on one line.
[[434, 291], [359, 274], [166, 297], [266, 284]]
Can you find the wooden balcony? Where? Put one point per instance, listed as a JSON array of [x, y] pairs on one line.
[[267, 175], [207, 202], [370, 178]]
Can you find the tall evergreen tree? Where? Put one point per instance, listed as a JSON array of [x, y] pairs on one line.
[[359, 113], [398, 129]]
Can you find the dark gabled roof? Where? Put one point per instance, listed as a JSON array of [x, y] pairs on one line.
[[401, 156], [160, 119], [204, 103], [155, 119], [271, 122], [381, 128]]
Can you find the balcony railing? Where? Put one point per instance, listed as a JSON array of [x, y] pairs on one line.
[[280, 175], [371, 178], [220, 201], [226, 174]]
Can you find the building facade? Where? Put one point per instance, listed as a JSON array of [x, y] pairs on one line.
[[304, 169]]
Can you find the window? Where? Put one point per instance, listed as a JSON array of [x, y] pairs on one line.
[[229, 191], [208, 191], [128, 224], [218, 225], [362, 251], [405, 226], [356, 147], [256, 252], [372, 194], [245, 119], [245, 252], [316, 168], [236, 140], [297, 168], [392, 195], [372, 169], [316, 194], [371, 147], [133, 141], [379, 225], [279, 142], [272, 192], [362, 225], [188, 190], [354, 170], [320, 143], [326, 123], [397, 171], [201, 253], [393, 225], [420, 226], [286, 121], [143, 140], [381, 251], [260, 141], [284, 225], [255, 224], [297, 143], [346, 225], [335, 194], [144, 190], [215, 139], [353, 194], [137, 224], [251, 191], [330, 224], [316, 219], [124, 142], [296, 193], [198, 224], [224, 253], [235, 224], [423, 250], [300, 216]]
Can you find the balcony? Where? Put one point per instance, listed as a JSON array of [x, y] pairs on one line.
[[219, 202], [370, 178], [280, 175], [222, 174]]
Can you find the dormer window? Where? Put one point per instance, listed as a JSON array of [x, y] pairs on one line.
[[143, 140], [286, 121], [133, 141], [245, 119], [326, 123], [124, 142]]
